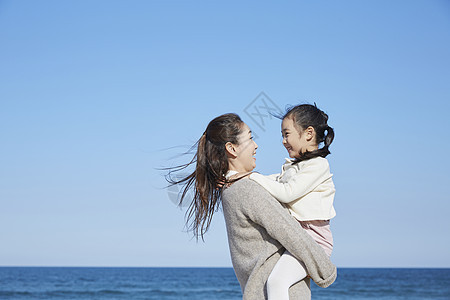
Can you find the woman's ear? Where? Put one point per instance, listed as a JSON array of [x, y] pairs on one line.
[[230, 149]]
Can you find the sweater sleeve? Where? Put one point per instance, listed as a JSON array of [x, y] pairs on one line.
[[265, 211], [272, 176], [299, 184]]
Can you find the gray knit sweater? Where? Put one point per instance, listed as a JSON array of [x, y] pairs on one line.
[[259, 230]]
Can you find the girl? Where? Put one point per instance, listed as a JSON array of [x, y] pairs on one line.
[[304, 186]]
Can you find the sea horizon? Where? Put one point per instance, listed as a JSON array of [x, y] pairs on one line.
[[194, 283]]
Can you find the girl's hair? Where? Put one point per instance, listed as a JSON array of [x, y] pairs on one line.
[[306, 115], [211, 166]]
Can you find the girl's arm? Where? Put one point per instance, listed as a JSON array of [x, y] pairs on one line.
[[247, 175], [273, 176], [301, 183]]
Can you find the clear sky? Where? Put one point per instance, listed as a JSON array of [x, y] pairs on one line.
[[93, 95]]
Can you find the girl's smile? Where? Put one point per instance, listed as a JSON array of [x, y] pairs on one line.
[[291, 137]]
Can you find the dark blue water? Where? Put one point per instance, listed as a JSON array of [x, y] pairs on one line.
[[207, 283]]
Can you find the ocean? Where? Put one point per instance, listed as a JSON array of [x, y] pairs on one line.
[[207, 283]]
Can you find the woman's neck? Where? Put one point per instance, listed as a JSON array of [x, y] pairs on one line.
[[236, 167]]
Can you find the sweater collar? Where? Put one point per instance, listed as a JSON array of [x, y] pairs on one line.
[[230, 173]]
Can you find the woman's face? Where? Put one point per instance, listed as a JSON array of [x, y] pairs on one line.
[[245, 151]]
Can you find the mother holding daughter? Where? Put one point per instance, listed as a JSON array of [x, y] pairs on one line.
[[259, 228]]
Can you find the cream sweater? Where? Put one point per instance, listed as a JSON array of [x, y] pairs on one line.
[[305, 188]]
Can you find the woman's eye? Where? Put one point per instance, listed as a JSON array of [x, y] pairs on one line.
[[251, 137]]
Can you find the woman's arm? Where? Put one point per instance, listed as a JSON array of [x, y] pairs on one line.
[[265, 211], [299, 185]]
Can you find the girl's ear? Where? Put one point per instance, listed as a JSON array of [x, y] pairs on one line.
[[230, 149], [310, 133]]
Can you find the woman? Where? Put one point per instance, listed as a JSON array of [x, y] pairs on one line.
[[259, 229]]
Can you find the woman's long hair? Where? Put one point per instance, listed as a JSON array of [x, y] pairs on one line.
[[306, 115], [211, 166]]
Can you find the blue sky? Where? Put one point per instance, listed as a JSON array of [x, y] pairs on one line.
[[95, 93]]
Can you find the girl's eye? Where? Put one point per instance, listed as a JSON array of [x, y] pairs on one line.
[[251, 137]]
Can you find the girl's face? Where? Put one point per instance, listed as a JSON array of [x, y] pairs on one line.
[[244, 151], [296, 141]]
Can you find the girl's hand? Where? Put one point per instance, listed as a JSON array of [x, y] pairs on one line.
[[232, 178], [240, 175], [236, 176]]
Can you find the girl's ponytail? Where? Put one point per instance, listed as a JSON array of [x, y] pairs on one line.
[[329, 137], [327, 140]]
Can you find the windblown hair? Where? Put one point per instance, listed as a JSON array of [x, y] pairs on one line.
[[306, 115], [211, 166]]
